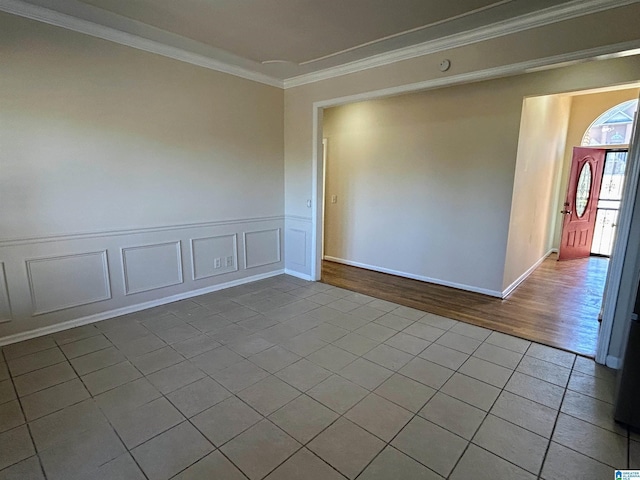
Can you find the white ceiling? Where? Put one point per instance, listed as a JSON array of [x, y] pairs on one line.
[[283, 39]]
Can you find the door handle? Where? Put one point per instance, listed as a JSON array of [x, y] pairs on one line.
[[565, 212]]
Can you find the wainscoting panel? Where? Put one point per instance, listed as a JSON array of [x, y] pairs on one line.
[[149, 267], [213, 256], [51, 283], [5, 305], [58, 283], [297, 241], [261, 248]]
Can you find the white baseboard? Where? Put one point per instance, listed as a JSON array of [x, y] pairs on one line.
[[614, 362], [459, 286], [78, 322], [507, 291], [293, 273]]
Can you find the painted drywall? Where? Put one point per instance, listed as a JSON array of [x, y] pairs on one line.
[[584, 110], [542, 42], [541, 146], [423, 182], [107, 152], [97, 136]]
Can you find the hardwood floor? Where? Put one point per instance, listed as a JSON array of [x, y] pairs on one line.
[[557, 305]]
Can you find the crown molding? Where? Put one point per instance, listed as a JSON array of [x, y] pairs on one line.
[[530, 66], [573, 9], [52, 17]]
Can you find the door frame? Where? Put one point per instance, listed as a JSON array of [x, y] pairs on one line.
[[618, 282], [624, 267]]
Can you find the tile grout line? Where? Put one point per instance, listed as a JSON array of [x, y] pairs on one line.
[[26, 424], [555, 423], [107, 419], [369, 392], [488, 412]]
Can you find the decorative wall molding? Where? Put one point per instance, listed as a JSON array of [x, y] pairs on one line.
[[554, 14], [39, 332], [507, 291], [12, 242], [5, 302], [158, 279], [261, 261], [298, 218], [299, 275], [548, 16], [223, 269], [52, 17], [459, 286], [297, 253], [54, 281]]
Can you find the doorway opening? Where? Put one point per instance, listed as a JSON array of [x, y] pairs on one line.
[[381, 199]]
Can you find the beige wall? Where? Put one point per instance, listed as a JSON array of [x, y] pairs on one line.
[[96, 138], [584, 110], [541, 145], [424, 182], [531, 45]]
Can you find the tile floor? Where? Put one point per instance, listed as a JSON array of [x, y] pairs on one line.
[[283, 379]]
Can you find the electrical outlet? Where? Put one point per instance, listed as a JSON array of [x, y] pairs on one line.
[[217, 262], [229, 261]]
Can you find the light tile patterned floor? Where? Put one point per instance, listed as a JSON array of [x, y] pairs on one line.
[[284, 379]]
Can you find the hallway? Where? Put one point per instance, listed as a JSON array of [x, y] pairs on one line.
[[557, 305]]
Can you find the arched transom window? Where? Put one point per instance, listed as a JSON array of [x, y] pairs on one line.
[[613, 127]]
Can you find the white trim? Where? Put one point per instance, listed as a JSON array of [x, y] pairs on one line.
[[234, 236], [613, 362], [246, 253], [293, 273], [11, 242], [298, 218], [52, 17], [317, 180], [58, 327], [622, 276], [106, 279], [4, 292], [459, 286], [548, 16], [480, 75], [125, 270], [618, 49], [507, 291]]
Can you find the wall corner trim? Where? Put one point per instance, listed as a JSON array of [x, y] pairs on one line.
[[58, 327], [293, 273], [509, 290], [613, 362], [547, 16]]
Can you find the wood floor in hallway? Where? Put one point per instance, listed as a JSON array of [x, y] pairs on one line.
[[557, 305]]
